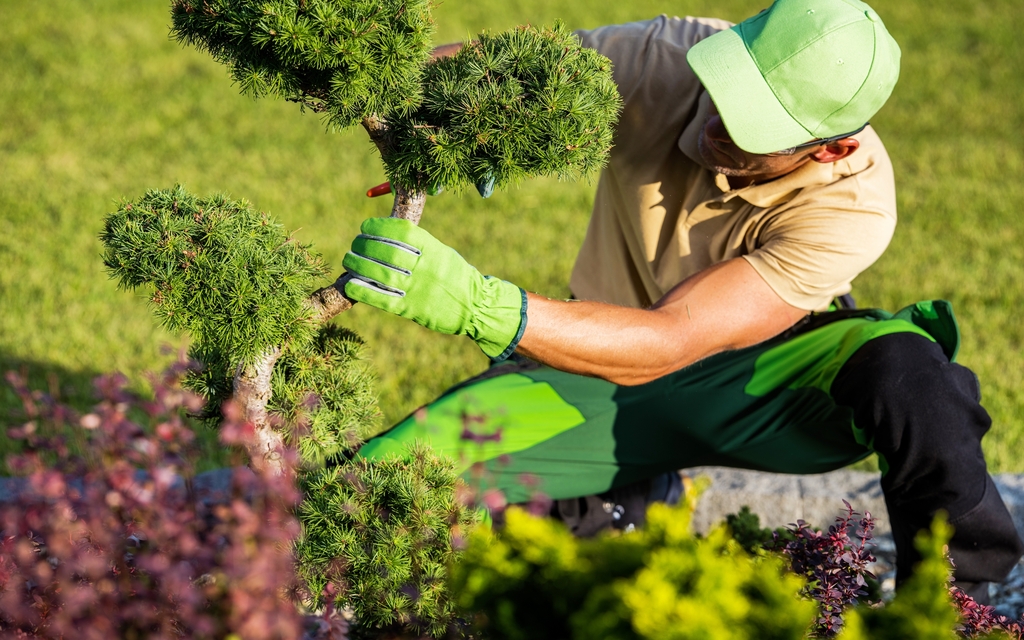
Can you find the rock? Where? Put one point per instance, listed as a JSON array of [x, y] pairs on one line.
[[1011, 488], [209, 488], [782, 499], [11, 488]]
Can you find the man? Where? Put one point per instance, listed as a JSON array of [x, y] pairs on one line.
[[745, 192]]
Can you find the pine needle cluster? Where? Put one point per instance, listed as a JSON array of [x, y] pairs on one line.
[[521, 103], [323, 396], [346, 58], [233, 279], [383, 533], [224, 272]]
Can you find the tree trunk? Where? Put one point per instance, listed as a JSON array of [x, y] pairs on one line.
[[252, 393], [252, 384], [408, 205]]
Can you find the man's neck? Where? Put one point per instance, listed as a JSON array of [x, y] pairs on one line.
[[739, 182]]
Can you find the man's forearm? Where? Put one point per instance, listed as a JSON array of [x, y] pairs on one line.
[[728, 306], [446, 50], [620, 344], [401, 268]]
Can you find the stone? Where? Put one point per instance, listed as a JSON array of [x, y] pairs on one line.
[[782, 499]]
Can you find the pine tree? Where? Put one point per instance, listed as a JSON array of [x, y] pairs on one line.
[[382, 535], [528, 102], [524, 103]]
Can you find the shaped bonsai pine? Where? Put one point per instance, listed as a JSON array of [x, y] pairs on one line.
[[377, 536], [527, 102]]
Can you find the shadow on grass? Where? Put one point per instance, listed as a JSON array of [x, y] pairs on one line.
[[75, 388], [72, 387]]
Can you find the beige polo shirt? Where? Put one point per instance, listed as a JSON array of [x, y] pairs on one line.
[[660, 215]]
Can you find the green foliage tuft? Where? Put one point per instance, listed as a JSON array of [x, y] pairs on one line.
[[522, 103], [922, 609], [213, 379], [745, 528], [220, 270], [323, 395], [383, 533], [346, 58], [232, 278], [534, 580]]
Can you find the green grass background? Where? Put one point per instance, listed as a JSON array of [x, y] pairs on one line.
[[96, 103]]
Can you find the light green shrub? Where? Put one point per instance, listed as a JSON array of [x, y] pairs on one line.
[[534, 580]]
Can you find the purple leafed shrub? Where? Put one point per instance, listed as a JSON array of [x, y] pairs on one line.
[[979, 619], [835, 563], [479, 429], [104, 539]]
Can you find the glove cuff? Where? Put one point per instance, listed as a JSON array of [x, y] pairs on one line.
[[500, 320]]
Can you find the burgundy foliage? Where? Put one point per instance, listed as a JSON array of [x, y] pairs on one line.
[[109, 542], [477, 430], [979, 619], [835, 563]]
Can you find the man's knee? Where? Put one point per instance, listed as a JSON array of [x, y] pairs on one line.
[[905, 393], [923, 415]]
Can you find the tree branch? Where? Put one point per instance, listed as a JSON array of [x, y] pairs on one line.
[[331, 301]]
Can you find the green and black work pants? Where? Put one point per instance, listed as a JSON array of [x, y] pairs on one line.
[[829, 392]]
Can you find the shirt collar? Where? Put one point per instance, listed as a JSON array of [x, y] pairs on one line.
[[763, 195]]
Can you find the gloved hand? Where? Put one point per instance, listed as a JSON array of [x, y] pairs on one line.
[[398, 267]]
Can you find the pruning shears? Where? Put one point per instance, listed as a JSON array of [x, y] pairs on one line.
[[485, 188]]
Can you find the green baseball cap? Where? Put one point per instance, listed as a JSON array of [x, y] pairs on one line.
[[797, 71]]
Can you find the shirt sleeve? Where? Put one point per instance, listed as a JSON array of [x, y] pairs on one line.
[[811, 261], [650, 47]]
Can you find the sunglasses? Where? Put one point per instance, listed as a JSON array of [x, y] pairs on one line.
[[814, 143]]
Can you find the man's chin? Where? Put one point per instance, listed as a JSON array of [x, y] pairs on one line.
[[718, 168], [711, 160], [728, 171]]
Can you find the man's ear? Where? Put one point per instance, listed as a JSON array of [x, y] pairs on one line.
[[836, 151]]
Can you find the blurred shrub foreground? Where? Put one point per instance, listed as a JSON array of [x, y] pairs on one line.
[[92, 548]]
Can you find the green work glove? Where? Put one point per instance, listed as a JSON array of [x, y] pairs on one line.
[[398, 267]]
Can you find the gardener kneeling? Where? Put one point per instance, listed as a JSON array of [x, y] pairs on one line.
[[743, 195]]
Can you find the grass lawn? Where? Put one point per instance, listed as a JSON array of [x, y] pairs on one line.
[[96, 103]]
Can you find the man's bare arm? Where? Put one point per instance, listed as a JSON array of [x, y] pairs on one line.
[[727, 306], [446, 50]]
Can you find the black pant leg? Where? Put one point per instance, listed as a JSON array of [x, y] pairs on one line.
[[924, 417]]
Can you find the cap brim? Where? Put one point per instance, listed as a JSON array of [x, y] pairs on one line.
[[754, 117]]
